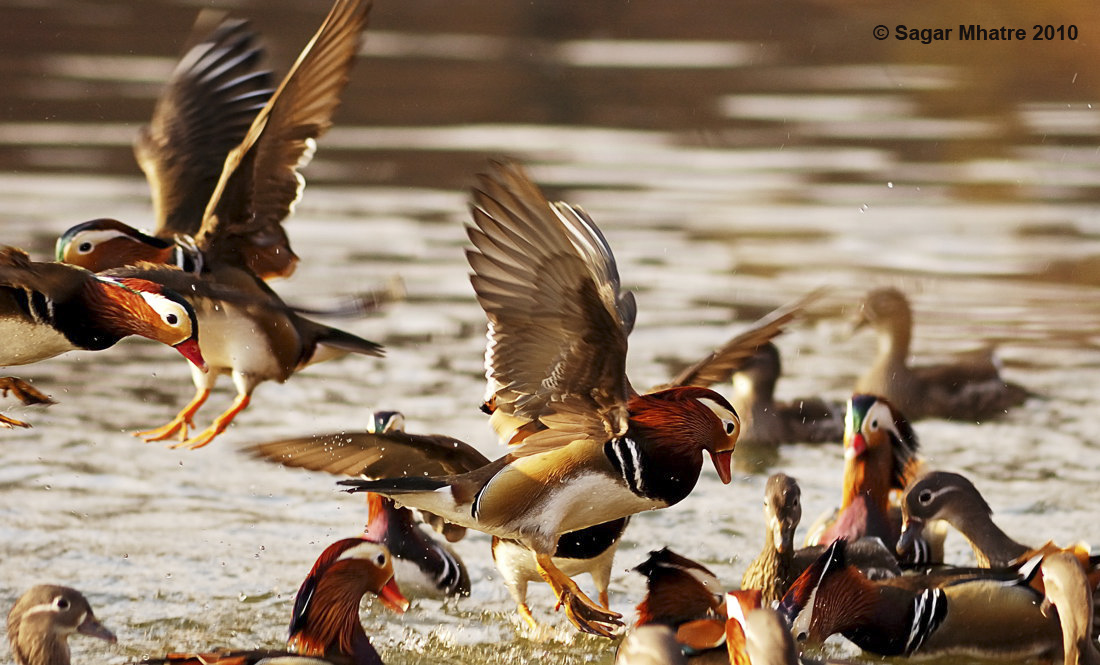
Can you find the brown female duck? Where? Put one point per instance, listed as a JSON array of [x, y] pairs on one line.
[[41, 621], [971, 388]]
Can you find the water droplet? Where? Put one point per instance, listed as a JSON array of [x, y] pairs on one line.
[[168, 576], [125, 555], [889, 185], [47, 488]]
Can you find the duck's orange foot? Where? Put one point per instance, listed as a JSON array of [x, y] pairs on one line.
[[582, 612], [8, 423], [588, 616], [23, 391], [202, 439], [178, 424]]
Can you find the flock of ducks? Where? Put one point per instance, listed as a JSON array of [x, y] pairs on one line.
[[586, 450]]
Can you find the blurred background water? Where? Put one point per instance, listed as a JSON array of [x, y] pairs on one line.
[[737, 155]]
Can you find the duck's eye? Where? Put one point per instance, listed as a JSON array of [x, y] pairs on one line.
[[731, 427], [874, 424], [61, 603], [84, 247], [801, 637], [925, 497], [172, 319], [380, 559]]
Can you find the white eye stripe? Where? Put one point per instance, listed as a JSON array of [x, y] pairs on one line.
[[719, 410], [879, 414], [95, 237]]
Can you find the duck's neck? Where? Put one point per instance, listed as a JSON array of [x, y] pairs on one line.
[[865, 477], [332, 629], [48, 649], [894, 337], [992, 547]]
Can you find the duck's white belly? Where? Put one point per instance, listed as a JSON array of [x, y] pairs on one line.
[[231, 340], [22, 342]]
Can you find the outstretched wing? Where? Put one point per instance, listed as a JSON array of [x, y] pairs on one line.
[[260, 183], [721, 364], [205, 111], [386, 455], [558, 320], [56, 281]]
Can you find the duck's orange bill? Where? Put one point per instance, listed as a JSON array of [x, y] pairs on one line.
[[723, 462], [190, 350], [392, 597]]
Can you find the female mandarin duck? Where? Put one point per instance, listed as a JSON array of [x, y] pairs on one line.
[[1068, 591], [237, 229], [41, 621], [880, 455], [387, 450], [47, 309], [952, 498], [983, 613], [766, 422], [587, 449], [971, 388], [325, 625], [779, 563]]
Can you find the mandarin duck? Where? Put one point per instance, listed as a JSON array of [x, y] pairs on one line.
[[765, 422], [685, 596], [779, 563], [422, 565], [1070, 592], [386, 449], [880, 456], [237, 227], [47, 309], [41, 621], [587, 448], [984, 613], [952, 498], [970, 388], [324, 626]]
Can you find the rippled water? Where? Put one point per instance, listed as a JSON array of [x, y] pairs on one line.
[[736, 158]]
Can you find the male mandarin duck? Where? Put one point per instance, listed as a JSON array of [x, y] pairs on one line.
[[779, 563], [952, 498], [236, 223], [1070, 592], [970, 388], [422, 565], [324, 626], [386, 449], [982, 613], [685, 596], [766, 422], [880, 455], [41, 621], [678, 590], [47, 309], [587, 448]]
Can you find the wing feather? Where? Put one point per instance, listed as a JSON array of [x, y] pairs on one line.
[[260, 182], [204, 112], [558, 318]]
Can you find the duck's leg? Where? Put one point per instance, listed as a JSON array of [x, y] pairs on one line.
[[23, 391], [585, 614], [8, 423], [218, 426], [182, 421]]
